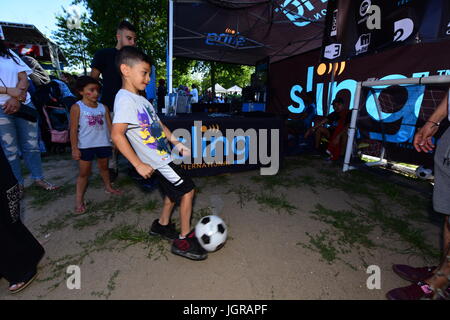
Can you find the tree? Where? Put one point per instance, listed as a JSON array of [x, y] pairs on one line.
[[148, 16], [73, 40]]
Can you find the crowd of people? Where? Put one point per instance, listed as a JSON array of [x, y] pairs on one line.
[[106, 118], [111, 114]]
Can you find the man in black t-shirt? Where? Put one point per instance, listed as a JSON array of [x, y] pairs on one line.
[[104, 63]]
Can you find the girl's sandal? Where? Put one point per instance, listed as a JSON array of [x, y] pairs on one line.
[[115, 192], [45, 185], [81, 209]]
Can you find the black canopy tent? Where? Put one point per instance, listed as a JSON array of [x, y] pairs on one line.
[[245, 32], [26, 37]]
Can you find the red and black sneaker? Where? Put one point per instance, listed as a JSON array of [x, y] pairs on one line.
[[189, 247]]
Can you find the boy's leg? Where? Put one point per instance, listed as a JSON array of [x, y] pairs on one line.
[[186, 212], [162, 226], [82, 181], [164, 218]]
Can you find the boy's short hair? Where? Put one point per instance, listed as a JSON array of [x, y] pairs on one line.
[[124, 24], [83, 81], [129, 56]]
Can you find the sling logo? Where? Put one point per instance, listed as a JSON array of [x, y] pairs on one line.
[[447, 33], [301, 12], [404, 119], [403, 29]]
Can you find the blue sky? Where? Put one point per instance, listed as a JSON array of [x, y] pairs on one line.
[[41, 13]]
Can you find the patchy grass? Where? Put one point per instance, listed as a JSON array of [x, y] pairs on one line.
[[110, 288], [244, 193], [399, 227], [277, 203], [55, 224], [198, 214], [41, 197], [105, 210], [117, 238]]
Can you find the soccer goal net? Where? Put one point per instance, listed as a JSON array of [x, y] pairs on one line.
[[385, 117]]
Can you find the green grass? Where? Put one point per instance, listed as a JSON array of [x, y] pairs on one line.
[[277, 203], [118, 238], [399, 227], [42, 198], [244, 193], [110, 287], [104, 210], [198, 214]]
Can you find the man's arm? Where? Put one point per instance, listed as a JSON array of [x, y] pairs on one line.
[[22, 84], [422, 139], [121, 142]]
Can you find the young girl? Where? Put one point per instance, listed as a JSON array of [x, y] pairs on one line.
[[90, 127]]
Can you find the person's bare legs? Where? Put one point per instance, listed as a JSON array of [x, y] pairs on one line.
[[102, 164], [82, 182], [185, 212], [164, 218]]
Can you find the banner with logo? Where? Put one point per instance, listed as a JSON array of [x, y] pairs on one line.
[[358, 27], [291, 78], [245, 32]]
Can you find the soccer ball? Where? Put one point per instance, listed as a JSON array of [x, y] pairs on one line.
[[211, 232], [424, 173]]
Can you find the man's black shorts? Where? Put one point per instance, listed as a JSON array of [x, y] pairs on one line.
[[89, 154], [174, 182]]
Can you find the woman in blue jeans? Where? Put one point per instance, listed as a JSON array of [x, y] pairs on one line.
[[18, 135]]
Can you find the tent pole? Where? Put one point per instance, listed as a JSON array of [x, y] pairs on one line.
[[352, 129], [170, 44], [330, 89]]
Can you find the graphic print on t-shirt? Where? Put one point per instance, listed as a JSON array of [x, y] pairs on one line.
[[94, 119], [152, 134]]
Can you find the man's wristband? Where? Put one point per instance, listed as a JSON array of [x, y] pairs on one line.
[[437, 124]]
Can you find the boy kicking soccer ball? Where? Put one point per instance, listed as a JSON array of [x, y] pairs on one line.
[[142, 138]]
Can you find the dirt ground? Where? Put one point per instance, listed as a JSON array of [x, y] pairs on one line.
[[308, 233]]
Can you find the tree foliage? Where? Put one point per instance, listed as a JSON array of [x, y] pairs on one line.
[[73, 41], [150, 18]]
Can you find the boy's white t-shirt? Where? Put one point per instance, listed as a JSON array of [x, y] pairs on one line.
[[144, 133]]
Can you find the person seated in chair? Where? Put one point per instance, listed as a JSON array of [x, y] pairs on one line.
[[336, 132]]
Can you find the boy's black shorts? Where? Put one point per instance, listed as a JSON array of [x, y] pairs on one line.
[[174, 182]]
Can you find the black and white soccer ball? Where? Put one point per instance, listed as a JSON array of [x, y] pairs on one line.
[[211, 232], [424, 173]]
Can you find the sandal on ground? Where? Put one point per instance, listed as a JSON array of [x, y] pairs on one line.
[[45, 185], [81, 209], [17, 287], [114, 192]]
